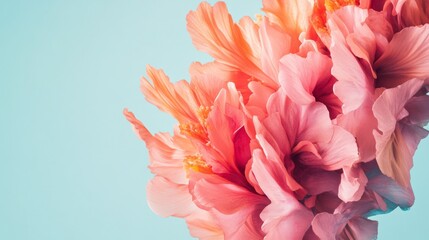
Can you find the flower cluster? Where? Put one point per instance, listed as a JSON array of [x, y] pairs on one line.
[[303, 126]]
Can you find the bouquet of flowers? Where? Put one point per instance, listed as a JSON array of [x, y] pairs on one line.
[[303, 126]]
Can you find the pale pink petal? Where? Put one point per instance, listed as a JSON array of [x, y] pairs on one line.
[[353, 183], [308, 126], [305, 87], [314, 123], [280, 179], [291, 15], [354, 86], [363, 44], [285, 216], [249, 229], [256, 106], [344, 21], [138, 126], [169, 199], [204, 226], [406, 57], [275, 44], [273, 131], [394, 151], [166, 153], [208, 79], [340, 151], [326, 226], [224, 196], [361, 122], [346, 222], [232, 204]]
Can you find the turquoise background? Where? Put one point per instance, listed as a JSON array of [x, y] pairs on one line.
[[70, 165]]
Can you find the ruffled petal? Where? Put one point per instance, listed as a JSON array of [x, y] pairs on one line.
[[166, 153], [176, 99], [213, 31], [204, 226], [354, 86], [361, 122], [291, 16], [275, 44], [300, 85], [406, 57], [285, 216], [169, 199], [353, 184], [394, 155]]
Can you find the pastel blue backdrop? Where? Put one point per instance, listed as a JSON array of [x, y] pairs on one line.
[[70, 165]]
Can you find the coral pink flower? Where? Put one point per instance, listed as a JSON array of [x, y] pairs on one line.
[[303, 126], [291, 143], [390, 66], [292, 17], [305, 87]]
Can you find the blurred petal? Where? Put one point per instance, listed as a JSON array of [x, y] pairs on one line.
[[169, 199], [204, 226]]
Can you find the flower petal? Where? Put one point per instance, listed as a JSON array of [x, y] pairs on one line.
[[394, 156], [213, 31], [169, 199], [406, 57], [291, 15]]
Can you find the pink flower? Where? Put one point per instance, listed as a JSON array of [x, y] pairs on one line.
[[303, 126]]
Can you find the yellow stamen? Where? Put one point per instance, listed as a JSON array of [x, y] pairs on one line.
[[319, 12], [203, 114], [194, 130], [197, 164], [197, 130], [332, 5]]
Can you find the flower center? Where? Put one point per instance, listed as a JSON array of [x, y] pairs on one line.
[[197, 164], [197, 130], [332, 5], [321, 7]]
